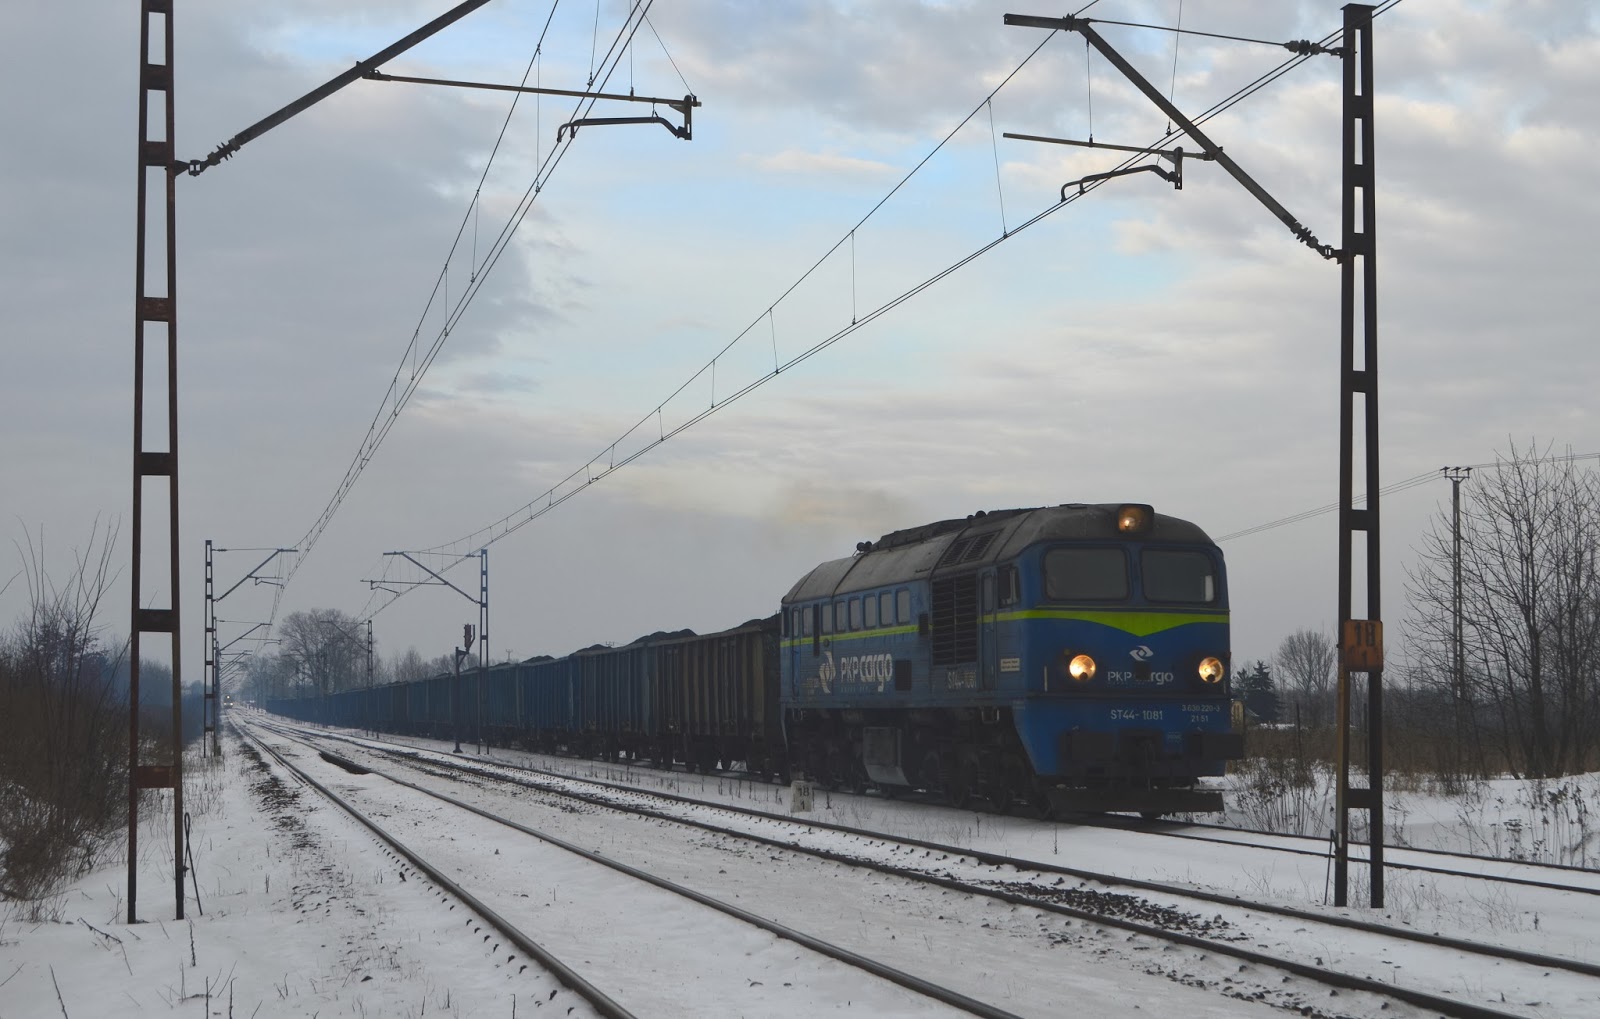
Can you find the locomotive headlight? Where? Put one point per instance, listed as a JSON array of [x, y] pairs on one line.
[[1081, 668], [1134, 518], [1211, 670]]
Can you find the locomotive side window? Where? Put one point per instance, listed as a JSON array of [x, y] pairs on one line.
[[1173, 576], [1010, 589], [902, 605], [827, 617], [805, 620], [988, 592], [855, 613], [1085, 574], [886, 608], [869, 606]]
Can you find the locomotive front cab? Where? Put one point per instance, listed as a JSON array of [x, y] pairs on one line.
[[1126, 638]]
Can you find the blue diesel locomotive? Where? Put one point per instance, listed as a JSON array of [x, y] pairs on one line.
[[1073, 657], [1070, 657]]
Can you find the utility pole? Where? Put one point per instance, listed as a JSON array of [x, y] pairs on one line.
[[1361, 639], [1458, 656], [483, 635], [155, 317], [213, 652], [455, 698], [371, 707]]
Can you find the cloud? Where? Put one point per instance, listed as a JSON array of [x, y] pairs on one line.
[[1173, 347], [820, 163]]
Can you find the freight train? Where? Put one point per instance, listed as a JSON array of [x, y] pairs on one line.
[[1070, 657]]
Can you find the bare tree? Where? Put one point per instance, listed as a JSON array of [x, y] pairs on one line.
[[410, 666], [1530, 577], [327, 648], [1305, 664]]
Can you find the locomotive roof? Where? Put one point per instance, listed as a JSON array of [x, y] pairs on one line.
[[947, 546]]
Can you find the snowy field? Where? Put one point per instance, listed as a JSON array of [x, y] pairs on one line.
[[306, 913]]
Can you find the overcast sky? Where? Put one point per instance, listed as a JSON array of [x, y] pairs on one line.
[[1143, 344]]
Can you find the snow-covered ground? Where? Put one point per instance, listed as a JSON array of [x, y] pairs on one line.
[[303, 915], [306, 913]]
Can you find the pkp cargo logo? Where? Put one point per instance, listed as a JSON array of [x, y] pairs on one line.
[[1141, 653], [826, 672]]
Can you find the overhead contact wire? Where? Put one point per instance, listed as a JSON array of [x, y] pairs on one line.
[[549, 499], [369, 444], [525, 204], [395, 403]]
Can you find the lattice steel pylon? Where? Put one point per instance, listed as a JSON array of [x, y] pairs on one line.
[[155, 316], [1360, 640]]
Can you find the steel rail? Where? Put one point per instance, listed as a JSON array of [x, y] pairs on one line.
[[909, 981], [602, 1002], [1133, 825], [1447, 1006]]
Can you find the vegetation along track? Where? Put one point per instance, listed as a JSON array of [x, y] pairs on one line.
[[1177, 829], [878, 969], [1123, 912]]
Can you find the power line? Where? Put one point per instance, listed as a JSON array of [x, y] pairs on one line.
[[606, 461], [401, 389], [1399, 486]]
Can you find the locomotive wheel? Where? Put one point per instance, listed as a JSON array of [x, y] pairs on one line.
[[1010, 788], [844, 774], [1036, 803], [930, 773], [857, 781], [959, 789], [823, 772]]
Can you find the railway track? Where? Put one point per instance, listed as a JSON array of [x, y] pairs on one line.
[[1474, 866], [923, 997], [961, 869], [1577, 880]]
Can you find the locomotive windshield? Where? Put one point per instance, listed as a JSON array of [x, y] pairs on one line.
[[1173, 576], [1085, 574]]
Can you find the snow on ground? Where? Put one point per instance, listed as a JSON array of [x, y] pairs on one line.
[[1020, 960], [1536, 820], [305, 913], [1527, 918], [1539, 920]]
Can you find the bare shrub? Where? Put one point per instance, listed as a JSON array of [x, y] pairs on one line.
[[64, 741], [1281, 786]]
